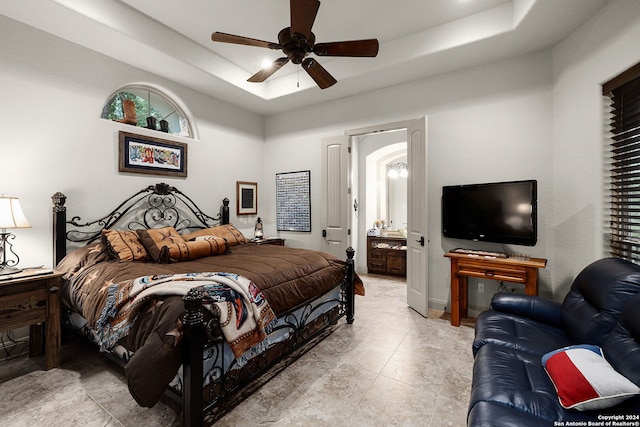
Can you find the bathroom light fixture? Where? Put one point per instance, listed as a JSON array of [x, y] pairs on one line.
[[11, 216], [398, 170]]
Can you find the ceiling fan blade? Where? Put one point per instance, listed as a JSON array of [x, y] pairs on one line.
[[265, 73], [230, 38], [303, 14], [368, 47], [321, 76]]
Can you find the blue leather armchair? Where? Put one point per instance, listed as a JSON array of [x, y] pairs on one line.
[[510, 386]]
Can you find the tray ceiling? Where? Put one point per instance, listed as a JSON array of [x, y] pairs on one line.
[[418, 39]]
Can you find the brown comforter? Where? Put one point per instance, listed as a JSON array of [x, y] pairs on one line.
[[287, 277]]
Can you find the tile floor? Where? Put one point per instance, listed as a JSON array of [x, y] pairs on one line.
[[392, 367]]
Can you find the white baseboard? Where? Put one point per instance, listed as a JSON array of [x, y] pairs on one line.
[[472, 310]]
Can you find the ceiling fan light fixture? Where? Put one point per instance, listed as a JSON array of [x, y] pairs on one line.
[[297, 42]]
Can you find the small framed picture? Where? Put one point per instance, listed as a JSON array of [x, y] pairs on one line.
[[150, 155], [247, 198]]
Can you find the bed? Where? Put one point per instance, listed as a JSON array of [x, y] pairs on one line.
[[187, 304]]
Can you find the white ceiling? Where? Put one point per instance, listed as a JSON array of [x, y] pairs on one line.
[[418, 38]]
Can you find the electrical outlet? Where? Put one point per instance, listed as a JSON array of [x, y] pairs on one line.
[[480, 287]]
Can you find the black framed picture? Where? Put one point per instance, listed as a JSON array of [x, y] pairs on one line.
[[293, 201], [150, 155], [246, 198]]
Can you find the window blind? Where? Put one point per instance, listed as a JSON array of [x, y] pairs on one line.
[[624, 151]]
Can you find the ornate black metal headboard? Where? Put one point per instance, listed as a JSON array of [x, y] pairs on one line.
[[159, 205]]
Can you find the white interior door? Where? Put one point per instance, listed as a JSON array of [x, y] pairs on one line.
[[417, 237], [336, 198]]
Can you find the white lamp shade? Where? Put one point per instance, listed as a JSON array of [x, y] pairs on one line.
[[11, 215]]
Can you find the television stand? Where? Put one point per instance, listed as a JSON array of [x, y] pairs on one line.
[[465, 265]]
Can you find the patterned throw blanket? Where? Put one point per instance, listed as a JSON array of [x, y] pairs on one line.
[[245, 316]]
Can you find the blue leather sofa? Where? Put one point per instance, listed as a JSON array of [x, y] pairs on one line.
[[510, 386]]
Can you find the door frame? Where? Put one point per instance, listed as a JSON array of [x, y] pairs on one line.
[[356, 224]]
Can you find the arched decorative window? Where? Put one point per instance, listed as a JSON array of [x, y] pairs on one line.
[[147, 107]]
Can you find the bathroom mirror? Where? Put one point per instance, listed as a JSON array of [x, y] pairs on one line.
[[385, 199], [396, 200]]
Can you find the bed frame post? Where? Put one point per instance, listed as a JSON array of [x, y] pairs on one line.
[[192, 347], [59, 227], [350, 297]]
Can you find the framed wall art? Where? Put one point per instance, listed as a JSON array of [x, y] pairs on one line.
[[150, 155], [247, 198], [293, 201]]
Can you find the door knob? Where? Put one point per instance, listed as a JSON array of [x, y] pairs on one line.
[[421, 241]]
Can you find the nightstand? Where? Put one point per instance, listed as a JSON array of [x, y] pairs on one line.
[[29, 301], [269, 241]]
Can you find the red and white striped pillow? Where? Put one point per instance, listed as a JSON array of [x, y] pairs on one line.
[[585, 380]]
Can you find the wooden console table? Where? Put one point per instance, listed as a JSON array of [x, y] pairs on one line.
[[513, 270]]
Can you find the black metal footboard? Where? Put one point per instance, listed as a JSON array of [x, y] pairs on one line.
[[197, 403]]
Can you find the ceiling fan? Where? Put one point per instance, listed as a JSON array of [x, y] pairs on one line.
[[297, 42]]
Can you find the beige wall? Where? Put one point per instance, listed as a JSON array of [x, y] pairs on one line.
[[599, 50], [54, 140], [539, 116], [497, 130]]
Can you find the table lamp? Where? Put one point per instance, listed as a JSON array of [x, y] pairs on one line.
[[11, 216], [257, 232]]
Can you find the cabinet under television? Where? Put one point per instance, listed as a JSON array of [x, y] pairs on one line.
[[387, 255]]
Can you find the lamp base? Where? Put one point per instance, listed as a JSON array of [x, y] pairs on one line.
[[9, 270]]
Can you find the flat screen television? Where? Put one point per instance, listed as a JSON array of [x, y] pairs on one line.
[[501, 212]]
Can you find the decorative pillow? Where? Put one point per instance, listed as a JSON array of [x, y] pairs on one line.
[[211, 238], [154, 239], [124, 245], [228, 232], [166, 245], [585, 380], [186, 251]]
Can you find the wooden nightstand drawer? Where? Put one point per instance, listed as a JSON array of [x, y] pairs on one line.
[[22, 308], [30, 301]]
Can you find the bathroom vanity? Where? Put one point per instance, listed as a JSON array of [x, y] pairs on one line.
[[387, 254]]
